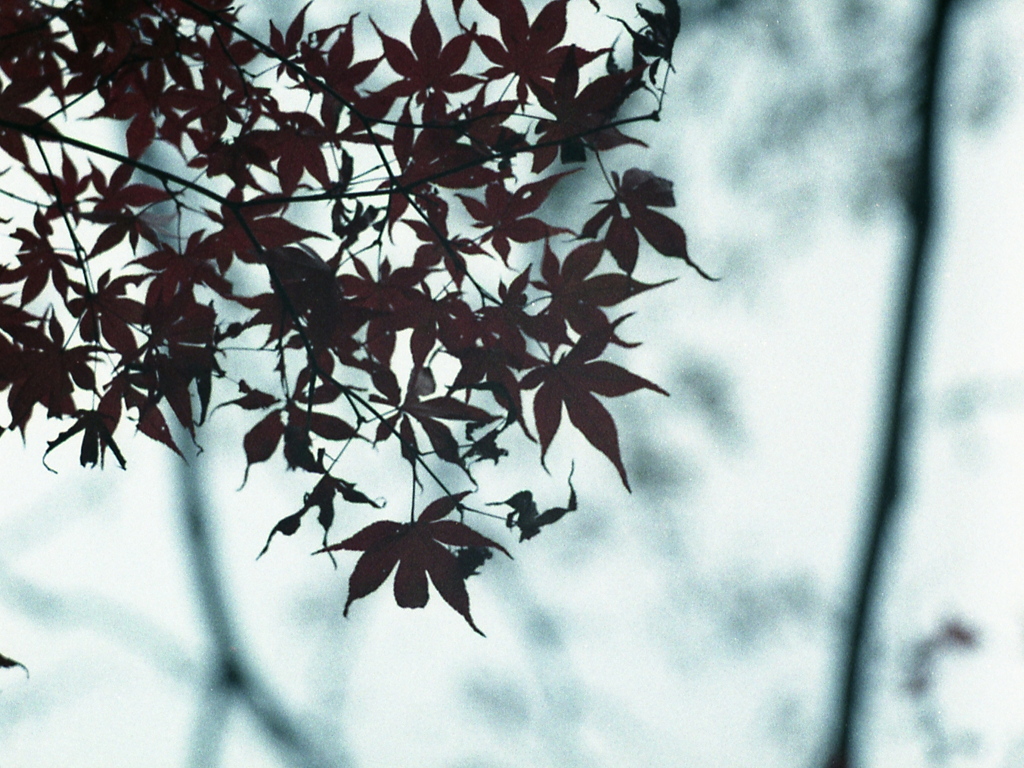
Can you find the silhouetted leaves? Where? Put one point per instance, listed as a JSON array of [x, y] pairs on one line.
[[141, 293], [657, 39], [471, 559], [96, 438], [321, 497], [524, 512]]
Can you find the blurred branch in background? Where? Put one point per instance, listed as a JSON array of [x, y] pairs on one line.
[[232, 679], [896, 418]]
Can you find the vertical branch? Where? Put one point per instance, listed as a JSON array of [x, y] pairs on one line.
[[210, 725], [232, 678], [895, 425]]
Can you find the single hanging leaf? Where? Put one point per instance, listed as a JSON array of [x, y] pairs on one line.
[[419, 549], [573, 381], [639, 191], [262, 440]]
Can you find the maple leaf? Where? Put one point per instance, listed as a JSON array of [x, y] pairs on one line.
[[577, 297], [67, 186], [658, 38], [175, 273], [49, 375], [287, 45], [429, 70], [40, 262], [96, 438], [505, 215], [18, 92], [322, 497], [428, 413], [392, 300], [262, 440], [639, 191], [297, 145], [573, 381], [531, 52], [305, 287], [339, 72], [418, 549], [578, 116], [179, 353], [113, 204]]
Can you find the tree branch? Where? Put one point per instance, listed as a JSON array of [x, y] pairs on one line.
[[895, 424], [233, 675]]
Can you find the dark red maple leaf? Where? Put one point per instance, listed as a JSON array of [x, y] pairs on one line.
[[66, 186], [429, 413], [177, 273], [96, 438], [393, 301], [179, 353], [108, 312], [40, 263], [505, 215], [573, 381], [262, 440], [322, 497], [419, 549], [578, 298], [579, 116], [19, 91], [531, 52], [297, 145], [113, 204], [287, 45], [337, 69], [49, 375], [429, 70], [639, 191], [439, 247], [490, 356]]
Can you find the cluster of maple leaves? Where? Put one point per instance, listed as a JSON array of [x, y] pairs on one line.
[[187, 189]]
